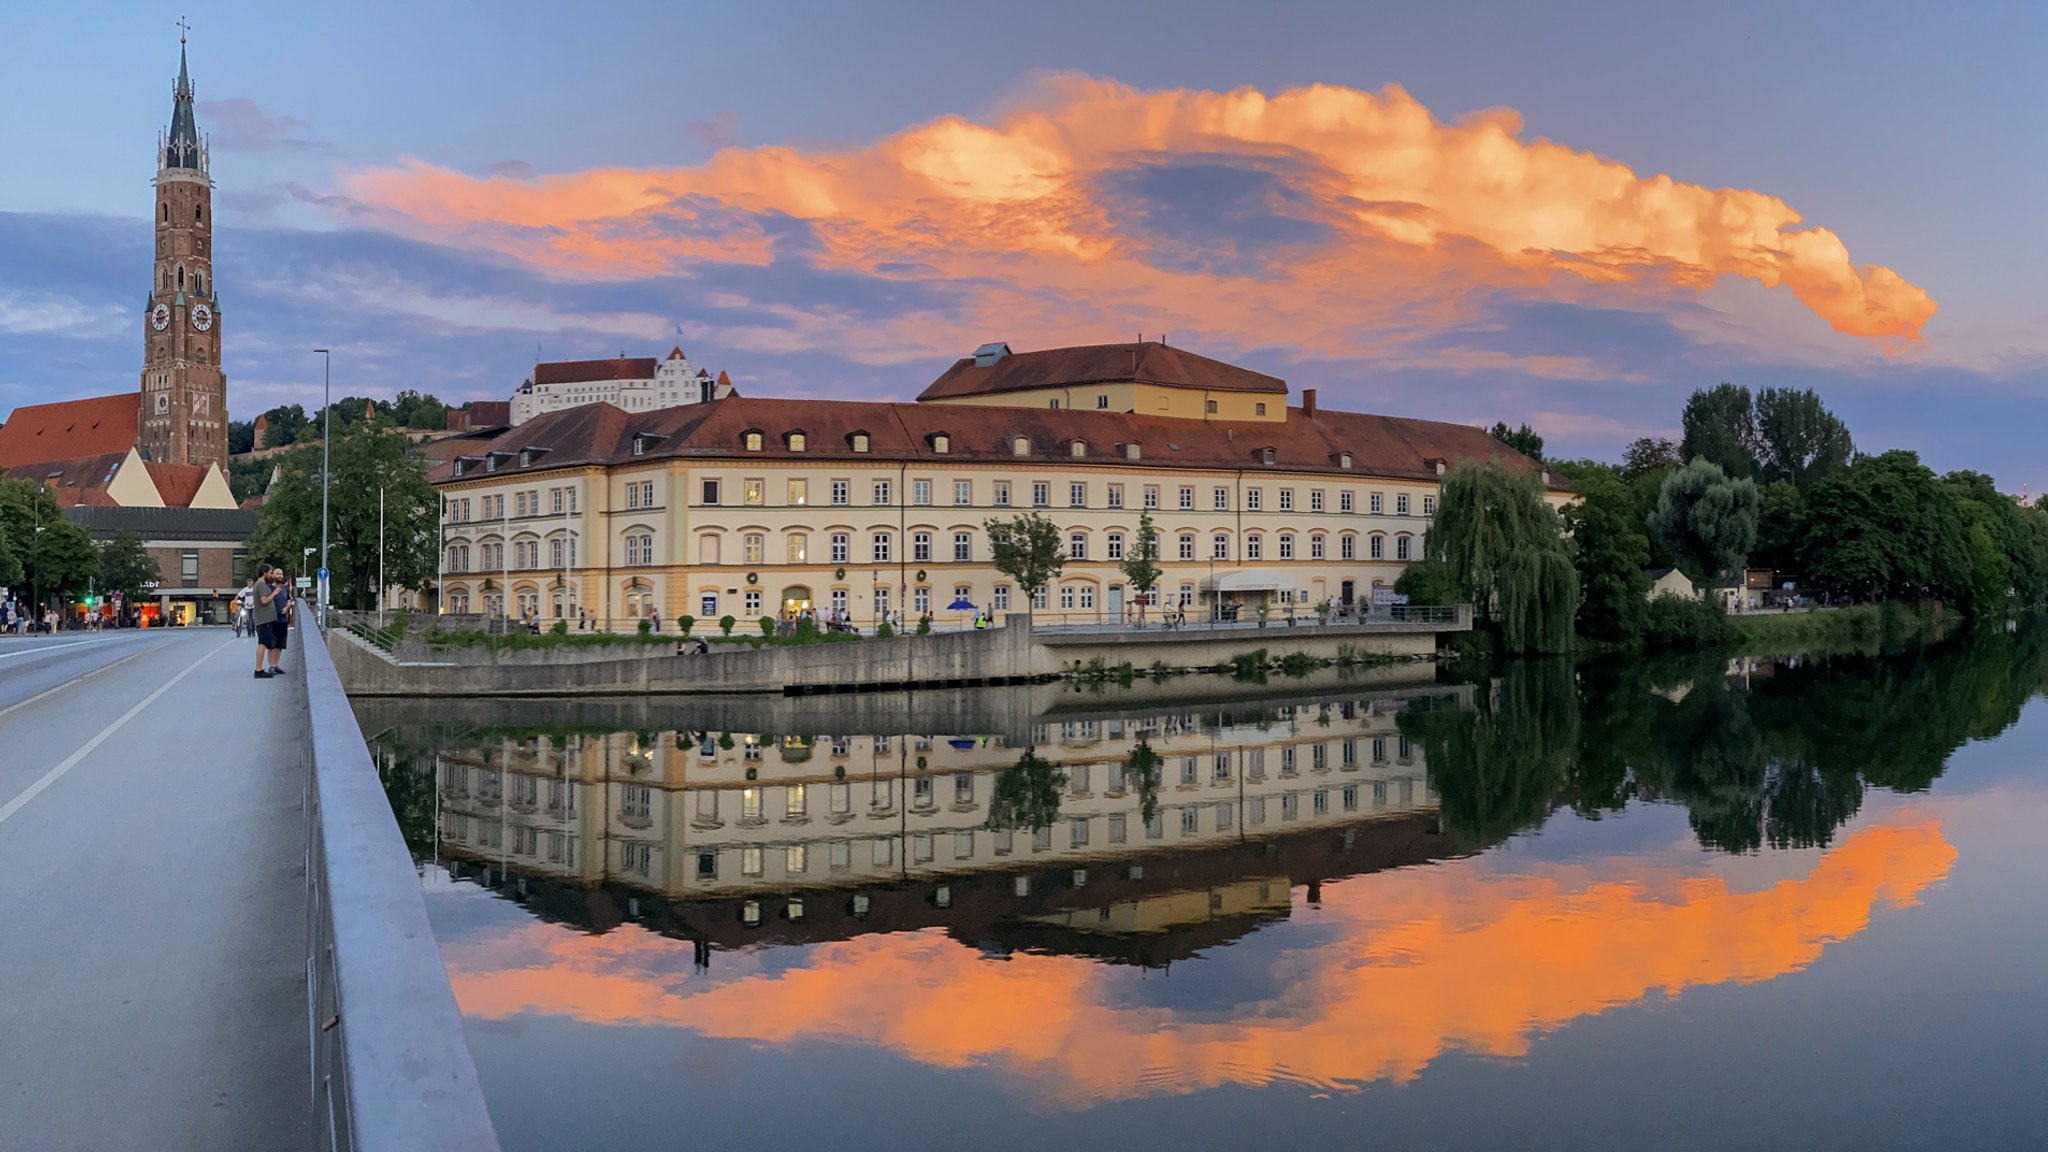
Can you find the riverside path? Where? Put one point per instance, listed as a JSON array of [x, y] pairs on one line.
[[152, 894]]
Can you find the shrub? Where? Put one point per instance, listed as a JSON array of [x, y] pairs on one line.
[[924, 624], [645, 627], [559, 628], [806, 630], [1685, 624], [767, 624], [725, 624], [883, 631], [685, 623]]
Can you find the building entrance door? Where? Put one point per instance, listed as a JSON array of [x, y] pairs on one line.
[[1116, 602]]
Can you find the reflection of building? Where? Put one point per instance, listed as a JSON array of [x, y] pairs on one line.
[[634, 383], [751, 507], [763, 824]]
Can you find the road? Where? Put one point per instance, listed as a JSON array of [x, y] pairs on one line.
[[153, 910]]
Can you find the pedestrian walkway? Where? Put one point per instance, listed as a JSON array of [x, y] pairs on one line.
[[153, 911]]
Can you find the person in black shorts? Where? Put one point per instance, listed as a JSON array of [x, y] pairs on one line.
[[269, 600]]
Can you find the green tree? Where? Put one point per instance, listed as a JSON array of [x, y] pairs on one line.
[[1026, 794], [1502, 767], [1648, 455], [1707, 520], [127, 567], [365, 459], [1610, 551], [1990, 576], [1502, 544], [2020, 532], [1884, 528], [1780, 516], [1141, 559], [285, 424], [1720, 425], [1141, 774], [1430, 582], [411, 409], [241, 436], [11, 570], [1027, 549], [1797, 438], [62, 560], [1523, 439]]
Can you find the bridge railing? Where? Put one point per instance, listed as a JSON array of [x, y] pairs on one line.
[[391, 1070]]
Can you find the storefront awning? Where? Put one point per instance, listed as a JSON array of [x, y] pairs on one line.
[[1246, 580]]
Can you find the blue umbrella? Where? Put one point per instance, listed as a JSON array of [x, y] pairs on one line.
[[960, 605]]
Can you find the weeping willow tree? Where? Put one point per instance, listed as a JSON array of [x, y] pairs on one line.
[[1503, 545]]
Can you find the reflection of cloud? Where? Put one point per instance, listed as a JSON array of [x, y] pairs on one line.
[[1405, 965], [240, 125], [1322, 217]]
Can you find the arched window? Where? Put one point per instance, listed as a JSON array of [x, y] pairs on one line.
[[752, 440], [795, 440], [565, 603], [198, 214], [1220, 546], [1377, 548], [751, 547], [167, 212], [1077, 546], [1254, 547], [1401, 546], [799, 547], [639, 549], [1020, 446], [458, 601], [181, 276]]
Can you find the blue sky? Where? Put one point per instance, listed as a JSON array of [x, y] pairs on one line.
[[1467, 220]]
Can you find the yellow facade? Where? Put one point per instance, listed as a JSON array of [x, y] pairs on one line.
[[1143, 399], [754, 538]]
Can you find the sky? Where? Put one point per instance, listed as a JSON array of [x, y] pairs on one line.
[[1569, 214]]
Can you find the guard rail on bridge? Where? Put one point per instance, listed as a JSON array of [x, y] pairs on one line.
[[391, 1070]]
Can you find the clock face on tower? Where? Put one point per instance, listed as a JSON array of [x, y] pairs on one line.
[[160, 317], [202, 316]]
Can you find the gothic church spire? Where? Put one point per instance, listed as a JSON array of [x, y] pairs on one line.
[[182, 148]]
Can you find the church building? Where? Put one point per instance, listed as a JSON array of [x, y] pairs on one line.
[[154, 461]]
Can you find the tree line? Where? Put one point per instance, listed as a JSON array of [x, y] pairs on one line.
[[1770, 479], [289, 424], [45, 558]]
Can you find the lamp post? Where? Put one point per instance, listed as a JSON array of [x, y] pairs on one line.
[[326, 477]]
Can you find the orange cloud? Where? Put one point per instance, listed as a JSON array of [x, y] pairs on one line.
[[1424, 961], [1358, 215]]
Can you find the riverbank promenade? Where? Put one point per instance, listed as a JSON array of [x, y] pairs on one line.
[[154, 909]]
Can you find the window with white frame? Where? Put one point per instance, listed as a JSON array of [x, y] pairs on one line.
[[1377, 547], [1429, 505], [753, 604], [1401, 546], [842, 547], [1077, 546], [841, 492], [921, 492], [921, 600], [1001, 495], [1286, 543], [1344, 503], [1254, 547], [1116, 495], [1087, 596], [963, 492], [1375, 504], [882, 551], [639, 549], [1219, 547], [1114, 546], [1220, 499], [963, 547], [882, 494], [756, 491], [1400, 503], [1038, 600], [1315, 546], [1067, 597], [799, 547], [1287, 499], [1041, 494], [1077, 495], [1187, 499], [1187, 545], [999, 599], [1253, 499], [1347, 547], [1151, 495], [1315, 499], [752, 545], [921, 547]]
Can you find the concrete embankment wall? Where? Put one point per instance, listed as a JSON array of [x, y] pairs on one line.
[[1008, 655]]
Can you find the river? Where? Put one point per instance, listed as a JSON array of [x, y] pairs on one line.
[[1792, 903]]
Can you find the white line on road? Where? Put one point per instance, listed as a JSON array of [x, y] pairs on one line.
[[38, 651], [53, 775], [48, 692]]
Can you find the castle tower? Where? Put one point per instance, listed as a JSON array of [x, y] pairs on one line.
[[184, 418]]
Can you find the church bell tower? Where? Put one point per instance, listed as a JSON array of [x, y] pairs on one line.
[[184, 418]]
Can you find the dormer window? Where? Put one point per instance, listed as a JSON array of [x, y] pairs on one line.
[[859, 441], [752, 440], [1343, 459], [526, 457], [639, 445], [490, 463], [1078, 448], [941, 443], [1267, 455], [1209, 407], [1132, 451], [459, 463], [1020, 446], [1055, 404], [794, 441]]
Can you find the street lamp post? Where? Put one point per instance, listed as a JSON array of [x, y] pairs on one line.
[[326, 477], [380, 549]]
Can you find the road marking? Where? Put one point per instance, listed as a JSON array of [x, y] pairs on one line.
[[53, 775], [52, 691], [38, 651]]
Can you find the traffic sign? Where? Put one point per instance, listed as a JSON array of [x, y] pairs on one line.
[[323, 575]]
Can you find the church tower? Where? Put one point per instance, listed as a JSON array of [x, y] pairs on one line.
[[184, 418]]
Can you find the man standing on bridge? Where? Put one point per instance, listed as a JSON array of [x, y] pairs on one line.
[[265, 615]]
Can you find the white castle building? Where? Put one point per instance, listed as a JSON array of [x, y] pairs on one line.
[[634, 383]]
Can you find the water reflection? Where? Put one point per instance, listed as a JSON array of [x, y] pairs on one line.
[[1107, 905]]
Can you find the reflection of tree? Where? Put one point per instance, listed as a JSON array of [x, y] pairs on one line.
[[409, 782], [1141, 772], [1502, 767], [1027, 794]]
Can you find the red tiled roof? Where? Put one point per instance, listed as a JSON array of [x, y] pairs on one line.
[[1387, 446], [577, 371], [80, 480], [176, 483], [1146, 362], [70, 429]]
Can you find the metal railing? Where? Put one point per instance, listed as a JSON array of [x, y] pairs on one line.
[[391, 1071], [1448, 616]]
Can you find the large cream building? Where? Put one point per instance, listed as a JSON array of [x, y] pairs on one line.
[[754, 507]]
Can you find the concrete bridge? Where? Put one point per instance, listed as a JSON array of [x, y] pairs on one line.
[[211, 934]]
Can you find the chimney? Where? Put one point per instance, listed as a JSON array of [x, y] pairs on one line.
[[1308, 401]]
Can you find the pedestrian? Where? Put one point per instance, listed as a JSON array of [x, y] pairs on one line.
[[654, 619], [287, 615], [264, 613]]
